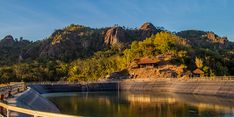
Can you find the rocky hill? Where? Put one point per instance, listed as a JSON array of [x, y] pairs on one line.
[[77, 53], [11, 48], [207, 39], [77, 41]]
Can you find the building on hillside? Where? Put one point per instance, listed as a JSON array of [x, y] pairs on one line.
[[146, 63], [198, 72]]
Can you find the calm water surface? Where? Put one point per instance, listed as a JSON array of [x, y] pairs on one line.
[[139, 104]]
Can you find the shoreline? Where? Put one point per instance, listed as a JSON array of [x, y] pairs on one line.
[[33, 98]]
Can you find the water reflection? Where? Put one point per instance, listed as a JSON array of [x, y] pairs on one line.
[[139, 104]]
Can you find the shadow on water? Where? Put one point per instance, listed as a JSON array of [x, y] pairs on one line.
[[141, 104]]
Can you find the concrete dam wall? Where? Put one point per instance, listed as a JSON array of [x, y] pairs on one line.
[[53, 88], [31, 98], [223, 88]]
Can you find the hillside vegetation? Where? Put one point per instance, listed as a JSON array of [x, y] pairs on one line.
[[79, 53]]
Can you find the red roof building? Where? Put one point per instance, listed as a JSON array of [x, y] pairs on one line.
[[146, 62], [198, 72]]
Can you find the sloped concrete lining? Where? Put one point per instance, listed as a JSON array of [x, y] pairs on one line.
[[31, 99], [223, 88]]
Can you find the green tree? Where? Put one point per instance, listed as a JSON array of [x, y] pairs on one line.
[[198, 62]]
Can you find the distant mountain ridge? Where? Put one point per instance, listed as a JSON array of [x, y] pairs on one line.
[[77, 41]]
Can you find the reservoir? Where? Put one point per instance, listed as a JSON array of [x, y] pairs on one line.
[[141, 104]]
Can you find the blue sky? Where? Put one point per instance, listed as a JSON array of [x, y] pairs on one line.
[[37, 19]]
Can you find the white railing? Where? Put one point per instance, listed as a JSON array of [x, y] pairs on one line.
[[18, 110], [11, 89], [6, 110]]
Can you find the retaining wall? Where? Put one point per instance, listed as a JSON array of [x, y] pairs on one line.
[[32, 99], [224, 88], [53, 88]]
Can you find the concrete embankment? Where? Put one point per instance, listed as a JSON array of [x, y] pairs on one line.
[[223, 88], [31, 99], [53, 88]]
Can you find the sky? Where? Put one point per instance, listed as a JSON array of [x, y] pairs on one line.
[[37, 19]]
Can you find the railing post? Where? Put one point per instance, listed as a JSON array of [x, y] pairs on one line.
[[8, 113], [9, 93], [1, 108]]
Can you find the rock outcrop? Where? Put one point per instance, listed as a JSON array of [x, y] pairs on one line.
[[77, 41], [70, 43], [7, 41], [119, 35], [115, 35], [11, 48], [205, 39], [147, 29]]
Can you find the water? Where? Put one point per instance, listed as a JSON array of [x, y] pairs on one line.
[[139, 104]]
